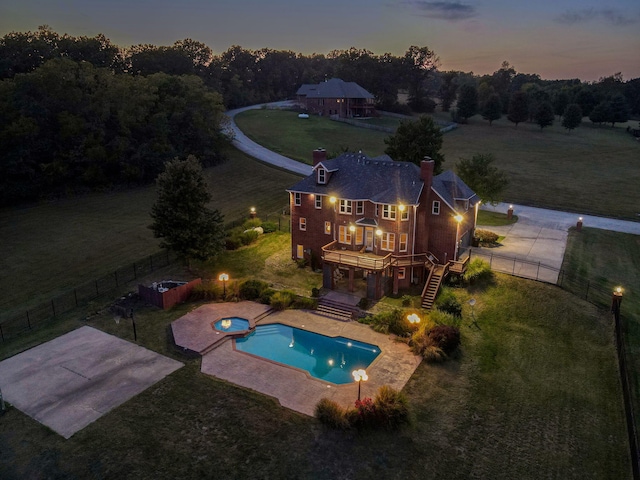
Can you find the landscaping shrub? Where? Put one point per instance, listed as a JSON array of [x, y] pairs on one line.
[[232, 242], [206, 291], [251, 223], [266, 295], [389, 322], [282, 299], [448, 302], [252, 289], [269, 227], [331, 414], [247, 238], [366, 414], [304, 303], [302, 262], [407, 301], [315, 292], [364, 303], [440, 317], [446, 337], [392, 407], [486, 237], [477, 270]]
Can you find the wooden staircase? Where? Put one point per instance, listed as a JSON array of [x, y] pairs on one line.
[[436, 275]]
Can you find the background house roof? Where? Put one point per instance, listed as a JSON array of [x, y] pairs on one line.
[[334, 88], [357, 177]]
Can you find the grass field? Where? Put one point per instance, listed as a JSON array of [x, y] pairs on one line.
[[52, 247], [592, 169], [614, 257], [532, 394]]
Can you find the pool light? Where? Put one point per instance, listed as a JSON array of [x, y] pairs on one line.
[[359, 376]]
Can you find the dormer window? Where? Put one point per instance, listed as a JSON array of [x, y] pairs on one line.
[[322, 176]]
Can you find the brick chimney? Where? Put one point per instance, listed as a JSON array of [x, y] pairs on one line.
[[426, 171], [319, 155]]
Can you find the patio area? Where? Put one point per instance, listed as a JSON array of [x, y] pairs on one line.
[[294, 388]]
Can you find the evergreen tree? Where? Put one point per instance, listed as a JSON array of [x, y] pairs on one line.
[[180, 215], [619, 110], [518, 107], [572, 116], [492, 109], [482, 177], [467, 105], [544, 116], [601, 113], [414, 140], [560, 102]]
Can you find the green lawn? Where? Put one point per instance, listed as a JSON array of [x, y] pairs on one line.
[[487, 218], [533, 394], [50, 248], [613, 258], [592, 169]]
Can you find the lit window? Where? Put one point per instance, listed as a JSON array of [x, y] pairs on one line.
[[360, 208], [435, 209], [402, 273], [388, 242], [403, 242], [389, 212], [319, 201], [344, 235], [359, 235], [303, 223], [297, 199], [322, 178], [327, 228], [345, 207], [300, 251]]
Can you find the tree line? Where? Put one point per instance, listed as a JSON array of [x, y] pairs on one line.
[[79, 113]]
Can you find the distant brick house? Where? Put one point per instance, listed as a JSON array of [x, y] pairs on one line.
[[336, 97], [391, 223]]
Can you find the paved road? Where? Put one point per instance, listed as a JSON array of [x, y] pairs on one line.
[[539, 235]]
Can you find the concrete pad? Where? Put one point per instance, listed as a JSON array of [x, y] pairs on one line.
[[296, 389], [71, 381]]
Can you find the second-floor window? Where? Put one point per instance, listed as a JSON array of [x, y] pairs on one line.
[[303, 223], [435, 208], [404, 214], [388, 242], [297, 199], [346, 207], [344, 235], [360, 208], [318, 201], [389, 212], [403, 242]]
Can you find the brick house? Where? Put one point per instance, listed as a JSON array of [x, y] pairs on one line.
[[336, 97], [388, 223]]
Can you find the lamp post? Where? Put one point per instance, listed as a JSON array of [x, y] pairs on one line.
[[252, 212], [224, 278], [616, 300], [458, 219], [359, 376]]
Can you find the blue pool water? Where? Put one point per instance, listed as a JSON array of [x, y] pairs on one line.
[[331, 359], [231, 324]]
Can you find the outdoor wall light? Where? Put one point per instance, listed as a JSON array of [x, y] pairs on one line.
[[332, 199]]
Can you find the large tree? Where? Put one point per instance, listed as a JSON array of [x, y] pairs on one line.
[[483, 178], [414, 140], [518, 107], [467, 105], [572, 116], [544, 115], [492, 109], [619, 110], [180, 215]]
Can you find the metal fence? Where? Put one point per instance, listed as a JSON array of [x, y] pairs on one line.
[[81, 295], [281, 219]]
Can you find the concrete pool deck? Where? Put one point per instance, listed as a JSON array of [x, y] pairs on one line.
[[294, 388]]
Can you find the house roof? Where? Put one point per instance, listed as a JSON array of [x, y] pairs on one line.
[[334, 88], [381, 180]]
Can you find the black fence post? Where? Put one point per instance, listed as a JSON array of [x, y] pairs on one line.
[[135, 275], [586, 295], [151, 262], [97, 291], [115, 274], [75, 295], [1, 334], [53, 308], [28, 320]]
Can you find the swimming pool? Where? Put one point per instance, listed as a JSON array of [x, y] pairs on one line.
[[331, 359], [231, 324]]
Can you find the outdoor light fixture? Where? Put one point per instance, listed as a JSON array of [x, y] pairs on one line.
[[224, 278], [359, 376], [252, 212], [379, 232], [332, 199], [401, 207], [458, 218], [352, 228], [413, 318]]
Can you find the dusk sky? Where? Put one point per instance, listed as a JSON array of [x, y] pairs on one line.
[[585, 39]]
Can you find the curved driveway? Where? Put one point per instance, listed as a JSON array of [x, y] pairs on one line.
[[539, 235]]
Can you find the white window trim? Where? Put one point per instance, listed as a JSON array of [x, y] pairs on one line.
[[346, 207], [322, 176], [435, 207], [406, 242], [389, 212], [297, 199], [344, 234], [402, 273], [360, 207], [388, 239], [319, 202], [302, 224], [300, 251], [327, 227]]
